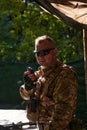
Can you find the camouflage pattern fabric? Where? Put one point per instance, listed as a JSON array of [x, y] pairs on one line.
[[56, 89]]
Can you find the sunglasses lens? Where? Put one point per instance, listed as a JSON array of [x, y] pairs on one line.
[[43, 52]]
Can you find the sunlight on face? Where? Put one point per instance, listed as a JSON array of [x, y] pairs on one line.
[[47, 60]]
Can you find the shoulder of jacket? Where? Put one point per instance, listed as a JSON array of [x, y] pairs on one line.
[[68, 69]]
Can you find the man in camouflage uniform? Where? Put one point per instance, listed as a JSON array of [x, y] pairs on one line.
[[56, 88]]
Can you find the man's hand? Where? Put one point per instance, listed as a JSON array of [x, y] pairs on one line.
[[29, 79], [30, 75]]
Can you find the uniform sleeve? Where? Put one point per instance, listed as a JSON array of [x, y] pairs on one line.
[[65, 95], [25, 94]]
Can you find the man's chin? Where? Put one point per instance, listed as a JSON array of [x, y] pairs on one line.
[[42, 63]]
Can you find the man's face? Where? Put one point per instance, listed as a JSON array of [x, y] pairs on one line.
[[46, 55]]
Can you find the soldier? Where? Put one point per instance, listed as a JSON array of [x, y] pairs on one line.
[[54, 93]]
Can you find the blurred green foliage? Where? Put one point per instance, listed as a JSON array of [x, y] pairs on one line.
[[23, 21]]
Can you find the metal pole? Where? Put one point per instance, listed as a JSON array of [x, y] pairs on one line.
[[85, 56]]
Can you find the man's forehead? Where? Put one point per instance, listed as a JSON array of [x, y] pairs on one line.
[[44, 45]]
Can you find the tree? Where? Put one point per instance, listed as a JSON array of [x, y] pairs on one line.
[[23, 21]]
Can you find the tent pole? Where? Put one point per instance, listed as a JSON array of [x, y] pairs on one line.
[[85, 56]]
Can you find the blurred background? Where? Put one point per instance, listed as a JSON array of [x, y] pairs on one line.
[[20, 23]]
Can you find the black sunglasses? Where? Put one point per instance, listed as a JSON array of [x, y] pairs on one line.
[[43, 52]]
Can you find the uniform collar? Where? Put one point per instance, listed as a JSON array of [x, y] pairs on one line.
[[45, 69]]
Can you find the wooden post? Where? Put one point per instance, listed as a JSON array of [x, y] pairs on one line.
[[85, 56]]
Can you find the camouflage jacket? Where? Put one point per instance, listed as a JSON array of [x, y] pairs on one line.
[[56, 88]]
